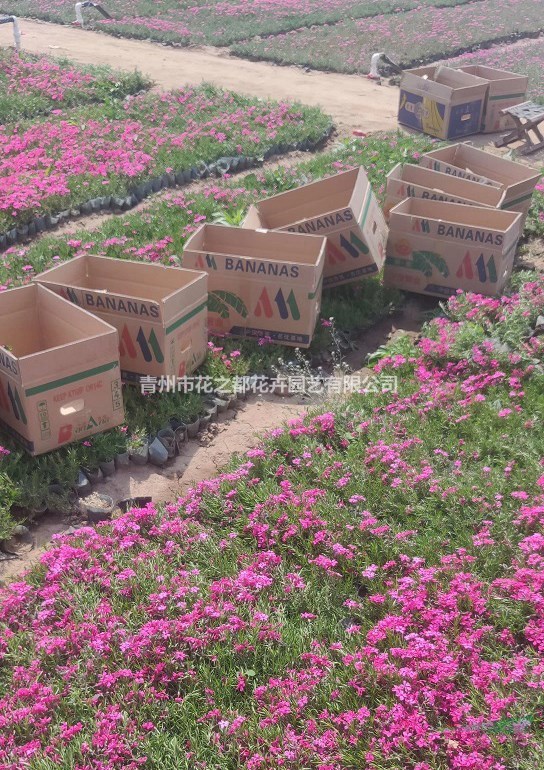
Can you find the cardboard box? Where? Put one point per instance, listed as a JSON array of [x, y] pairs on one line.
[[409, 181], [59, 370], [345, 210], [436, 248], [516, 180], [504, 90], [160, 312], [442, 101], [260, 283]]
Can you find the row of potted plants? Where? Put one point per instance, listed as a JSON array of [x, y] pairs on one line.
[[157, 448]]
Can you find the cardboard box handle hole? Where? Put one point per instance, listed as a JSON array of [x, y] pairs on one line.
[[73, 407]]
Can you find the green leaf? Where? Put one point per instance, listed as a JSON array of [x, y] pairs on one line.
[[220, 301]]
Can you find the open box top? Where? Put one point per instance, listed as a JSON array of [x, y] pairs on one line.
[[264, 245], [517, 180], [455, 187], [323, 198], [471, 225], [493, 74], [448, 84], [35, 324], [154, 286]]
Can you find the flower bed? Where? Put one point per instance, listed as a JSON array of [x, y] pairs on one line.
[[105, 153], [36, 85], [422, 35], [216, 23], [362, 591], [158, 235], [525, 57]]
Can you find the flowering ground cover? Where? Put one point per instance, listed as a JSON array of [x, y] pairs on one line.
[[158, 234], [37, 85], [106, 150], [526, 58], [218, 23], [363, 591], [421, 35]]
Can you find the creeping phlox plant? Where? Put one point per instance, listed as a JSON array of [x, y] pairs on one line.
[[72, 157], [362, 590]]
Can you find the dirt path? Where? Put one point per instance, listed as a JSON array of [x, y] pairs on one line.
[[353, 101]]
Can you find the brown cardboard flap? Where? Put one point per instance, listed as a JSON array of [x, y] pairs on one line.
[[255, 244], [445, 83], [317, 199], [152, 285], [515, 178], [456, 222], [46, 332], [497, 76], [455, 187]]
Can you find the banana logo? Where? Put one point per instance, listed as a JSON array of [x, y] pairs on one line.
[[432, 121]]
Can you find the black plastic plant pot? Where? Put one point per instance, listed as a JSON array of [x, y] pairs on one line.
[[93, 474], [140, 455], [167, 437], [193, 426], [133, 502], [181, 437], [98, 508], [83, 485], [122, 460], [107, 467]]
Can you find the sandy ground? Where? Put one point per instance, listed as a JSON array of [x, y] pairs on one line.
[[355, 102]]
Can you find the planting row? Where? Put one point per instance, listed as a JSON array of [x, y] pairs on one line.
[[363, 590], [214, 23], [525, 57], [421, 35], [37, 85], [116, 154], [157, 235]]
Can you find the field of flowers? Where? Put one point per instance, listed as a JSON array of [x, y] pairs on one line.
[[38, 85], [109, 152], [525, 57], [420, 35], [218, 23], [158, 234], [363, 591]]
